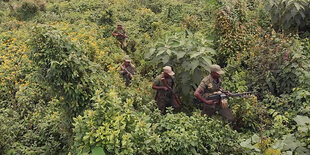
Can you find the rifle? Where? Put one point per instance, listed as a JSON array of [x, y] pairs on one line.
[[170, 89], [123, 68], [120, 34], [223, 95]]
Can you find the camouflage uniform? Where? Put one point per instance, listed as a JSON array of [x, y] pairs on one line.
[[125, 75], [164, 98], [121, 38], [210, 86]]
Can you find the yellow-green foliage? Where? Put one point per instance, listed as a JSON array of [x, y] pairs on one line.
[[14, 63], [61, 92]]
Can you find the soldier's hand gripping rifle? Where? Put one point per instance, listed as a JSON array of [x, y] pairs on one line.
[[124, 69], [170, 89], [222, 97], [120, 34]]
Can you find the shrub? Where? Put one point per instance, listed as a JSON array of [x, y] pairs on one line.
[[62, 66], [26, 10], [1, 16], [123, 131], [146, 19], [191, 22], [11, 129], [173, 12], [290, 15], [103, 17]]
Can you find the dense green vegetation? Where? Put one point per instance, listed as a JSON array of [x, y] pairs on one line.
[[60, 90]]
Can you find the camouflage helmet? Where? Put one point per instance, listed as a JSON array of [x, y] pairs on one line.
[[127, 58], [168, 70], [216, 68]]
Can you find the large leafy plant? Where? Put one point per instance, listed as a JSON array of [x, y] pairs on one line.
[[189, 55], [290, 14], [288, 144], [63, 66]]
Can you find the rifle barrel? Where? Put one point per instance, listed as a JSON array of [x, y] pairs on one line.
[[223, 95]]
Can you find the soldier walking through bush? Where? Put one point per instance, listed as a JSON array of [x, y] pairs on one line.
[[121, 36], [127, 70], [165, 95], [212, 85]]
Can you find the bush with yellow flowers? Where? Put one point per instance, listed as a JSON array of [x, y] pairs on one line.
[[61, 91]]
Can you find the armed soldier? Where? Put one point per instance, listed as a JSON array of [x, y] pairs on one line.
[[211, 85], [165, 95], [121, 36], [127, 70]]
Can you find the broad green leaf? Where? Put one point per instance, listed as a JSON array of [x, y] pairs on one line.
[[186, 65], [302, 151], [197, 76], [289, 2], [298, 7], [210, 50], [278, 145], [186, 88], [97, 151], [169, 52], [247, 144], [290, 143], [160, 44], [182, 41], [184, 77], [161, 52], [302, 15], [189, 32], [150, 53], [208, 41], [201, 49], [287, 153], [207, 60], [302, 120], [180, 54], [195, 54], [165, 59], [255, 138], [174, 43], [194, 64]]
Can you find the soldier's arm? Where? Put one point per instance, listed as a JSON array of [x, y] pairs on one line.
[[157, 87], [116, 32], [204, 85], [198, 93], [225, 91], [122, 71]]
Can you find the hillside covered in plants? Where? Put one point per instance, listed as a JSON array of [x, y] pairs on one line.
[[61, 91]]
